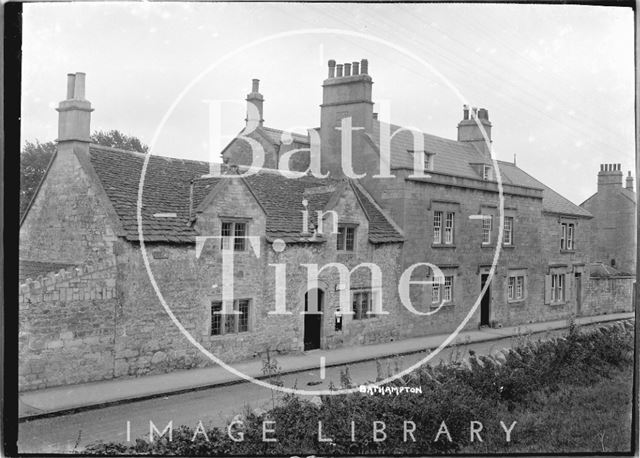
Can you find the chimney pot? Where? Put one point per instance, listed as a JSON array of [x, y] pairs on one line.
[[339, 70], [483, 114], [255, 87], [78, 92], [364, 67], [375, 116], [71, 84], [347, 69], [465, 112], [332, 68], [356, 68]]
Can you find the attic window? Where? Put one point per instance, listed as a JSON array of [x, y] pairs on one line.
[[487, 173], [427, 157]]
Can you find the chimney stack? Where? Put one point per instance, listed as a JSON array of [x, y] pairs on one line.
[[469, 130], [610, 177], [346, 94], [255, 104], [74, 113], [629, 184]]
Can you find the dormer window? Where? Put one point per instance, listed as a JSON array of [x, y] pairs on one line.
[[425, 156], [487, 173]]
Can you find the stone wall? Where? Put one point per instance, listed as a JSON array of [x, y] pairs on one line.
[[609, 295], [66, 327], [68, 221]]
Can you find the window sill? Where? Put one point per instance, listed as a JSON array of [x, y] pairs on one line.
[[517, 303], [448, 305], [558, 304], [567, 251], [508, 247], [442, 245], [229, 335]]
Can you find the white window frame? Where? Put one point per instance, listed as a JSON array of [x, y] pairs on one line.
[[224, 317], [558, 288], [516, 287], [507, 236], [487, 172], [449, 228], [487, 226], [447, 289], [230, 240], [437, 226]]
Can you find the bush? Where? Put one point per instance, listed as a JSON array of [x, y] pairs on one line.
[[482, 388]]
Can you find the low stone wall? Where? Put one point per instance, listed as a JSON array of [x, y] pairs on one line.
[[66, 327], [609, 295]]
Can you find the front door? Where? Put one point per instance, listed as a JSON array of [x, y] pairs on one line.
[[313, 318], [485, 303], [578, 292]]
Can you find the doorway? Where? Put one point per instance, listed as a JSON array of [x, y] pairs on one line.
[[578, 292], [485, 303], [313, 305]]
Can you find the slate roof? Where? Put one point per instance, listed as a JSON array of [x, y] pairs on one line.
[[167, 189], [31, 269], [455, 158]]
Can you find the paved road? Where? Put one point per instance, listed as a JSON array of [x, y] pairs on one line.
[[214, 405]]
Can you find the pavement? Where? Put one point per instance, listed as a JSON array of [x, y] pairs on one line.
[[67, 399]]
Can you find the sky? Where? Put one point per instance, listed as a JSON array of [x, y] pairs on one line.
[[557, 80]]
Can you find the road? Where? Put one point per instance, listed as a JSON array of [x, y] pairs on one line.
[[212, 406]]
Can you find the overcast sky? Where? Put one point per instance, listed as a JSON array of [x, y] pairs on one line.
[[557, 80]]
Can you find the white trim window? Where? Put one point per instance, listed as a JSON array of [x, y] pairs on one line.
[[507, 236], [346, 240], [558, 288], [435, 293], [437, 227], [448, 228], [567, 236], [487, 172], [447, 290], [487, 225], [362, 302], [516, 288]]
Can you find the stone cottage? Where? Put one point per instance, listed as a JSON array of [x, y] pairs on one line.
[[89, 310]]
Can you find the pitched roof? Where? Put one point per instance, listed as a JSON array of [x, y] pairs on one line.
[[32, 269], [276, 135], [167, 203], [456, 158]]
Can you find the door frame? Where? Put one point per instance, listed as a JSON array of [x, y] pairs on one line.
[[320, 322], [485, 301]]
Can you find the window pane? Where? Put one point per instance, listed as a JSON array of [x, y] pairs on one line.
[[563, 236], [519, 287], [435, 294], [340, 244], [508, 230], [230, 321], [510, 288], [437, 227], [356, 306], [448, 230], [486, 229], [225, 232], [350, 237], [216, 319], [448, 289], [239, 233], [243, 318]]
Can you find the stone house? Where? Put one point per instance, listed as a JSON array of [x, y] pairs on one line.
[[614, 224], [90, 310]]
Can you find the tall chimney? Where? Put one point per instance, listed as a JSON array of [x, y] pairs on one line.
[[74, 113], [255, 103], [345, 95], [629, 183], [610, 177], [469, 130]]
